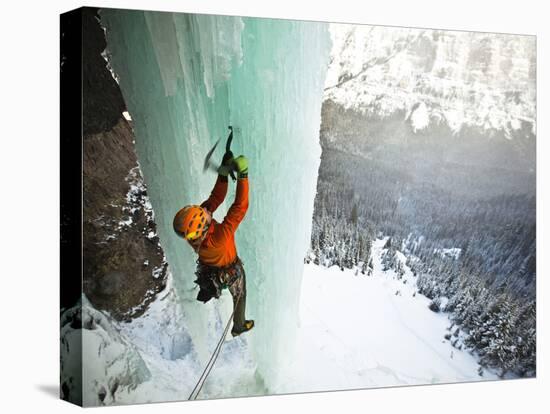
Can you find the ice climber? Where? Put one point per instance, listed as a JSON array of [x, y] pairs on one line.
[[218, 265]]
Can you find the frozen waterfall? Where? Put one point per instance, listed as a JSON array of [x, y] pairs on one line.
[[185, 78]]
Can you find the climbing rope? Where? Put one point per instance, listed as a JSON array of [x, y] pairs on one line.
[[214, 357]]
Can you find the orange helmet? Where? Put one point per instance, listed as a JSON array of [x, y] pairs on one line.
[[190, 222]]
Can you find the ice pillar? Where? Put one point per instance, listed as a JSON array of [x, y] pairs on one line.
[[184, 79]]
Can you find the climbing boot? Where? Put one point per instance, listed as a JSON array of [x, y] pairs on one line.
[[248, 325]]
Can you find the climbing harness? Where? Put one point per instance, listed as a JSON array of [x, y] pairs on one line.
[[212, 280]]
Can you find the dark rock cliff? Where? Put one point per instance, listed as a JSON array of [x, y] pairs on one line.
[[124, 265]]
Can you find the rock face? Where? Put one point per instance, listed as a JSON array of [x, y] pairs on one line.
[[102, 100], [466, 79], [124, 265]]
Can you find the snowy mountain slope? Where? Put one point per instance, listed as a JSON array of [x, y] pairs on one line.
[[460, 78], [361, 331]]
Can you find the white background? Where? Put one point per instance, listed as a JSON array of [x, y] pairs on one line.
[[29, 163]]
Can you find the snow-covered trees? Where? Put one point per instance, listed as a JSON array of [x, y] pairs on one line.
[[486, 216], [499, 327], [388, 255], [340, 234], [503, 335]]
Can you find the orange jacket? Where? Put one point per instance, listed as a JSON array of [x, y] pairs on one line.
[[218, 247]]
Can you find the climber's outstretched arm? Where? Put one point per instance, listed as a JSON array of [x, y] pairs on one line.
[[238, 209], [218, 194]]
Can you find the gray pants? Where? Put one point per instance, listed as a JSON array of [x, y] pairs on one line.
[[238, 291]]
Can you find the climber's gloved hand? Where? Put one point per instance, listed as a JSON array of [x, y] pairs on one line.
[[241, 166], [227, 164], [224, 170]]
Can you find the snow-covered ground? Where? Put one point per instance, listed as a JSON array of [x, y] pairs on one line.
[[151, 358], [361, 331], [356, 331], [175, 367]]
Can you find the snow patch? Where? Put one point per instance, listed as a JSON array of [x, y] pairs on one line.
[[453, 252], [157, 272], [420, 118]]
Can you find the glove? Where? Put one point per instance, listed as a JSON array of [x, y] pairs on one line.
[[241, 165], [227, 164]]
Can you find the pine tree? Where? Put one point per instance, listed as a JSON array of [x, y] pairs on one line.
[[527, 346], [354, 214], [498, 334]]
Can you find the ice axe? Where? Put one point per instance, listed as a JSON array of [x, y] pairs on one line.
[[208, 164], [228, 154]]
